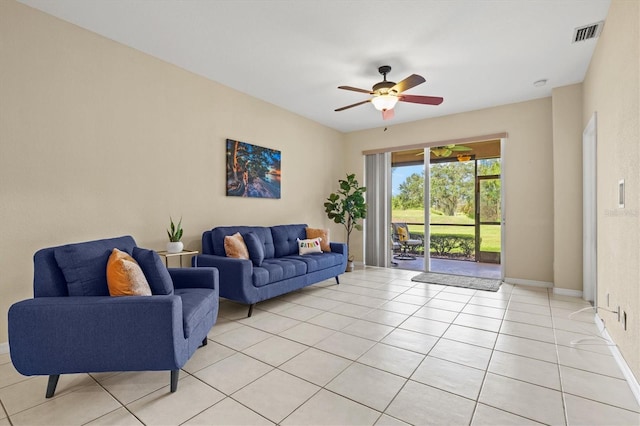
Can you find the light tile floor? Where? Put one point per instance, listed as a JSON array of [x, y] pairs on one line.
[[376, 349]]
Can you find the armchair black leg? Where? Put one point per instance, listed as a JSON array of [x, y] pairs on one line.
[[337, 280], [51, 386], [251, 309], [204, 342], [174, 380]]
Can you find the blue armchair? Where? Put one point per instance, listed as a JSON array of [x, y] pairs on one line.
[[72, 325]]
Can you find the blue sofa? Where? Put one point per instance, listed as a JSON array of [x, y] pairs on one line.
[[282, 270], [72, 325]]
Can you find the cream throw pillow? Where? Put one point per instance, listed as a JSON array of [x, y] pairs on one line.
[[309, 246]]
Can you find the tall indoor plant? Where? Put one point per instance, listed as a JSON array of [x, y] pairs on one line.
[[347, 206]]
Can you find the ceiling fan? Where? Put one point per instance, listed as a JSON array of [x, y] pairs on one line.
[[446, 150], [387, 93]]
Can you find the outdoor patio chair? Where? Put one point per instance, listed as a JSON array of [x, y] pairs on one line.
[[408, 242]]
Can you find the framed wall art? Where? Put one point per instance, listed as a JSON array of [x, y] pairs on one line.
[[252, 171]]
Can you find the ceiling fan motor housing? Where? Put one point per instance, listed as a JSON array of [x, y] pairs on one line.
[[384, 86]]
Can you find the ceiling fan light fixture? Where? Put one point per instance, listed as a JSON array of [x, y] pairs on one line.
[[384, 102]]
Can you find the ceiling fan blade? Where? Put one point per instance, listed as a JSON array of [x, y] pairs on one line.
[[353, 105], [355, 89], [412, 81], [425, 100], [388, 114]]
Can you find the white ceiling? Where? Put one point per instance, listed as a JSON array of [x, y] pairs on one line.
[[294, 53]]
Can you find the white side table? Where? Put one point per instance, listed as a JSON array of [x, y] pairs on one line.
[[180, 255]]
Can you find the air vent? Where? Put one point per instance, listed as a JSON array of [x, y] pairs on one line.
[[587, 32]]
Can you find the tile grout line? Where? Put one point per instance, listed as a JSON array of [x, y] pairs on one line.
[[486, 371]]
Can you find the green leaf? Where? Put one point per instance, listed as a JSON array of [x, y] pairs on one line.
[[347, 205]]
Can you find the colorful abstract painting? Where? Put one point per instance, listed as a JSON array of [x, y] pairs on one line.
[[252, 170]]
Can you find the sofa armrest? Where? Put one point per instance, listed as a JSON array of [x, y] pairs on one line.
[[228, 267], [235, 275], [339, 248], [194, 277], [56, 335]]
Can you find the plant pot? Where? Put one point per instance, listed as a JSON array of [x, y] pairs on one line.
[[175, 247], [350, 266]]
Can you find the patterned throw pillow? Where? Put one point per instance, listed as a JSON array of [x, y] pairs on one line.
[[309, 246], [235, 247], [124, 276], [323, 234]]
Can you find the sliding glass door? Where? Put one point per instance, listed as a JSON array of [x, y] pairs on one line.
[[437, 209]]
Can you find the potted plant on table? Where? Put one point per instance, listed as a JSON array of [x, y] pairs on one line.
[[175, 234], [347, 207]]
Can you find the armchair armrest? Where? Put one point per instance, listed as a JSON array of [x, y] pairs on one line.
[[57, 335], [417, 237], [194, 277]]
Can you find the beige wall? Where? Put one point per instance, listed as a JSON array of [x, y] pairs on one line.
[[527, 174], [100, 140], [567, 187], [612, 89]]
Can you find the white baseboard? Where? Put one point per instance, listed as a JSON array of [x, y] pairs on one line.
[[567, 292], [532, 283], [632, 381], [545, 284], [4, 348]]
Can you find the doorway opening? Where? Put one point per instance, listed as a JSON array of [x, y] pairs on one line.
[[463, 189]]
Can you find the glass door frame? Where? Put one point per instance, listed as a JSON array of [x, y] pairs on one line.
[[479, 257]]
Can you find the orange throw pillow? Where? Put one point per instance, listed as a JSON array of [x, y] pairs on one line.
[[234, 246], [125, 277], [320, 233]]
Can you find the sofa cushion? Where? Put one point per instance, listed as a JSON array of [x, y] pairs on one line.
[[285, 239], [320, 233], [154, 270], [273, 270], [84, 265], [125, 277], [318, 261], [309, 246], [197, 303], [255, 248], [213, 241], [234, 246]]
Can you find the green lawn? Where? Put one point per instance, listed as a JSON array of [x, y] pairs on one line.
[[489, 234]]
